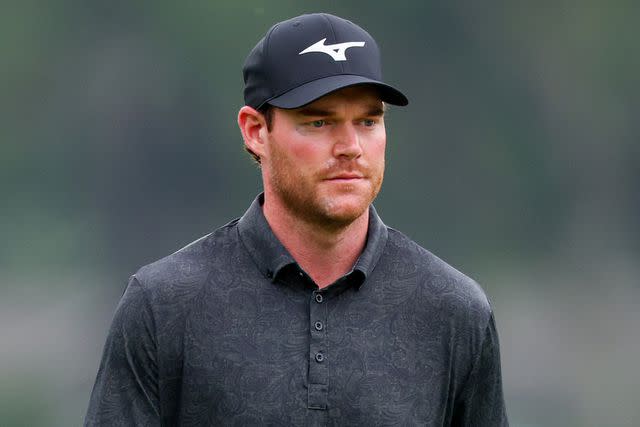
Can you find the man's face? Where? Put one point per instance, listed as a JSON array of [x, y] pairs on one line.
[[325, 161]]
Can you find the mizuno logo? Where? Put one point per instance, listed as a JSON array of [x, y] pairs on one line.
[[336, 51]]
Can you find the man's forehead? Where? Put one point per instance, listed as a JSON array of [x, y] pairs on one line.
[[365, 96]]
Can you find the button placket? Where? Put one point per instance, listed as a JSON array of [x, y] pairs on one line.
[[318, 352]]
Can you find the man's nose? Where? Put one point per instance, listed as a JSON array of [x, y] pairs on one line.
[[347, 141]]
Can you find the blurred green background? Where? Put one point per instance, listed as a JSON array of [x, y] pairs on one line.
[[516, 161]]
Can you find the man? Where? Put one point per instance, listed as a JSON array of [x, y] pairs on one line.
[[308, 310]]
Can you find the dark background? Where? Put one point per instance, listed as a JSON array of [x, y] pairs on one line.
[[517, 161]]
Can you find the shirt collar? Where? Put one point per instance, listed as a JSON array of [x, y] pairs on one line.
[[271, 256]]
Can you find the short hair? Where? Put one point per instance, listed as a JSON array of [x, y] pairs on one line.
[[267, 111]]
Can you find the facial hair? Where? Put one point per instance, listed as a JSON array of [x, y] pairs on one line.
[[300, 193]]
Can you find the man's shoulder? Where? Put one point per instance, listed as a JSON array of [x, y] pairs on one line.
[[438, 280], [189, 266]]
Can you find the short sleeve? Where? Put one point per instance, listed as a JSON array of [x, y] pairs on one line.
[[481, 402], [126, 389]]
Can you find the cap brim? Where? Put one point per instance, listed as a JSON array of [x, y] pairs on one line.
[[309, 92]]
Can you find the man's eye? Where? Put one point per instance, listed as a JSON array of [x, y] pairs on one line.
[[368, 122], [318, 123]]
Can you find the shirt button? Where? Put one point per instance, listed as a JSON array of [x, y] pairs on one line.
[[318, 326], [319, 298], [319, 357]]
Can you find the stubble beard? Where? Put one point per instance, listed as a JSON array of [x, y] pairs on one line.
[[303, 196]]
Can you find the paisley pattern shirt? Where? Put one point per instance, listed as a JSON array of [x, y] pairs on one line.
[[231, 331]]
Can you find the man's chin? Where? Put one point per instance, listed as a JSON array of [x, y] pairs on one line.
[[342, 211]]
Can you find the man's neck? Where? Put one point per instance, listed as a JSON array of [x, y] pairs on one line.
[[325, 254]]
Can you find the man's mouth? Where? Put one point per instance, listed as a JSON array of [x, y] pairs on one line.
[[346, 177]]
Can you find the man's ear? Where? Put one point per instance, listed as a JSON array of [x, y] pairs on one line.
[[253, 127]]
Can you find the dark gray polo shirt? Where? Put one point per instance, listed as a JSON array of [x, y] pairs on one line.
[[230, 331]]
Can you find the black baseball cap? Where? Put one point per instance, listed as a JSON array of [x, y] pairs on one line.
[[306, 57]]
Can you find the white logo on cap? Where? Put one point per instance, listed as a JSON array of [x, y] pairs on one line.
[[336, 51]]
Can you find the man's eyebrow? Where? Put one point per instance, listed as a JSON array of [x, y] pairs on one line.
[[314, 111], [322, 112], [375, 111]]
